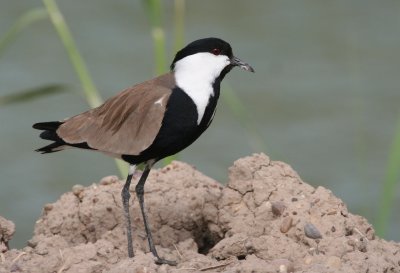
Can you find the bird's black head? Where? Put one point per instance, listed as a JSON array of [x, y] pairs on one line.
[[212, 49], [214, 46]]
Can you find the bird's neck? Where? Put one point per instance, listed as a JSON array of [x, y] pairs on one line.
[[199, 86]]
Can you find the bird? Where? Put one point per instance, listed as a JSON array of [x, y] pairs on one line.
[[151, 120]]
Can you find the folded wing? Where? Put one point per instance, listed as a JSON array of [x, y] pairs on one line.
[[125, 124]]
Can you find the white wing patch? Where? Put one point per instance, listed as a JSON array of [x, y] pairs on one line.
[[159, 101], [196, 74]]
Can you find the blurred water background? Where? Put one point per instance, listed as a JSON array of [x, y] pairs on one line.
[[325, 96]]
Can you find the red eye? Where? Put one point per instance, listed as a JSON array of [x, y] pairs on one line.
[[216, 51]]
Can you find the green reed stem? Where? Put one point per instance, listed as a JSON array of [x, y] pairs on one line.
[[90, 91], [154, 12], [179, 24], [392, 179], [92, 95]]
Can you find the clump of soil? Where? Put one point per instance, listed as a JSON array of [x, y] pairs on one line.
[[7, 229], [266, 219]]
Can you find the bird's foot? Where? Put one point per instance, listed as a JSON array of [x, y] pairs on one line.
[[164, 261]]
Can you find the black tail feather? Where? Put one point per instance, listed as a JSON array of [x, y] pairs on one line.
[[51, 148], [51, 125], [49, 130], [49, 133]]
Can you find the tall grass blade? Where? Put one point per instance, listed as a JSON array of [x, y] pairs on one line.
[[31, 94], [154, 12], [392, 179], [179, 24], [91, 94], [20, 24]]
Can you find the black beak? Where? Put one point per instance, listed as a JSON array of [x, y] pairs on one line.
[[237, 62]]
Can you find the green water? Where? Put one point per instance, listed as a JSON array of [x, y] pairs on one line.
[[324, 98]]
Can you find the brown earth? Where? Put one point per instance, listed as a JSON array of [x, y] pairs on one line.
[[265, 220]]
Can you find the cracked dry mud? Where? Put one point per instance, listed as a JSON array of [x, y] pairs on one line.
[[265, 220]]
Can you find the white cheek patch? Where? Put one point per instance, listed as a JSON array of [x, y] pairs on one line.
[[196, 74]]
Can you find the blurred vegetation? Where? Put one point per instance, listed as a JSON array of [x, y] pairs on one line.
[[90, 91], [390, 183], [154, 14], [154, 11], [20, 24], [31, 93]]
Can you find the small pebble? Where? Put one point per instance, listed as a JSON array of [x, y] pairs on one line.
[[282, 268], [249, 247], [286, 224], [311, 231], [352, 245], [278, 208], [334, 262], [362, 246], [351, 242], [41, 250], [313, 203], [48, 207], [32, 243], [370, 233], [308, 260], [348, 231], [283, 265], [313, 251], [77, 189], [111, 179]]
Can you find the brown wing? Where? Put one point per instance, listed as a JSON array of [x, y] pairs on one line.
[[126, 123]]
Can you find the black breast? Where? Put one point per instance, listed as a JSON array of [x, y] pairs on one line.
[[179, 128]]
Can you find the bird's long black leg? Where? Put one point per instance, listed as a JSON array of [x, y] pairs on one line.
[[140, 194], [125, 201]]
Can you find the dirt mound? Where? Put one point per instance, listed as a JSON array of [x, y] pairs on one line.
[[265, 220]]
